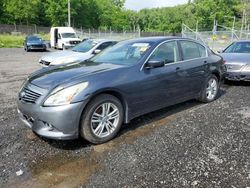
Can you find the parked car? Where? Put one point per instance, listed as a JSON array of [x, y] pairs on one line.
[[80, 52], [93, 98], [237, 60], [33, 42], [63, 37]]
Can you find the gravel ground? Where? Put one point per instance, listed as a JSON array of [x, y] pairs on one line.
[[186, 145]]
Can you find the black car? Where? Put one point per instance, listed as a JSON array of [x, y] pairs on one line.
[[33, 42], [94, 98]]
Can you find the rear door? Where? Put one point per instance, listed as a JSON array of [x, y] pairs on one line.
[[194, 66]]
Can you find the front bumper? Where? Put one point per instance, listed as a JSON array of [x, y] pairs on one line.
[[61, 122], [238, 76], [34, 47]]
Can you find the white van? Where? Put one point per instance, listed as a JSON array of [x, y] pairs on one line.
[[63, 37]]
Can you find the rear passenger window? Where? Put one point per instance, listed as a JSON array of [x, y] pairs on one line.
[[167, 52], [192, 50]]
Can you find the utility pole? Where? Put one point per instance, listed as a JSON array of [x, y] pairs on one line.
[[69, 13]]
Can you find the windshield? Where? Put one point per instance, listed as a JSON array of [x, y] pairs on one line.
[[238, 47], [85, 46], [68, 35], [126, 53], [34, 39]]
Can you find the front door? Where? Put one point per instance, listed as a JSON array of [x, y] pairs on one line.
[[162, 86]]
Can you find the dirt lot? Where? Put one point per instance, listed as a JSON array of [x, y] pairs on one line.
[[187, 145]]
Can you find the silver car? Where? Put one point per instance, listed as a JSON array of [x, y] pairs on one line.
[[80, 52], [237, 60]]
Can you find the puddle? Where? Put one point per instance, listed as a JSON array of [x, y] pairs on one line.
[[60, 171], [67, 171]]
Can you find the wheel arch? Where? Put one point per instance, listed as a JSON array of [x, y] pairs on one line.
[[116, 94], [217, 74]]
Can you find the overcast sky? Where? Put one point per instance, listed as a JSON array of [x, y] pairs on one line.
[[140, 4]]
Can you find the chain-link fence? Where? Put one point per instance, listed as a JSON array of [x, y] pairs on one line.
[[92, 33], [216, 40]]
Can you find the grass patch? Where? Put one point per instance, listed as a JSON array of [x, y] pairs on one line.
[[16, 41]]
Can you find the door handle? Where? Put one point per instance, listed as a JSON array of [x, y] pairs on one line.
[[205, 62], [177, 69]]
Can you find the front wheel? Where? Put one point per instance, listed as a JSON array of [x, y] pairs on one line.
[[102, 119], [211, 89]]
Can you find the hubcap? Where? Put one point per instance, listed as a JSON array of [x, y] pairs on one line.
[[212, 88], [105, 119]]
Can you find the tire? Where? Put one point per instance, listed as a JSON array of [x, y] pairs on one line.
[[94, 128], [209, 93]]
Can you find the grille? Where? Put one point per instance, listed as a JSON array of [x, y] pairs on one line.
[[74, 42], [234, 66], [29, 96], [37, 46], [45, 62]]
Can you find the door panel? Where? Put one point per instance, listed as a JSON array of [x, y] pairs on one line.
[[162, 86], [194, 65]]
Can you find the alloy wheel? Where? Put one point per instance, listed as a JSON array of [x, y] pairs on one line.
[[105, 119], [212, 89]]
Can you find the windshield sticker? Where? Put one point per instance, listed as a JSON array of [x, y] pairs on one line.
[[140, 45]]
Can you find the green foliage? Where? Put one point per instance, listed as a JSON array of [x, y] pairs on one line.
[[10, 41], [16, 41], [22, 11], [108, 14]]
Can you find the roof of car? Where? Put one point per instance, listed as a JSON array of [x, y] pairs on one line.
[[159, 39], [33, 36], [103, 40]]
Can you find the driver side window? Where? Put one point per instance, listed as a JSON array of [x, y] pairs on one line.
[[167, 52]]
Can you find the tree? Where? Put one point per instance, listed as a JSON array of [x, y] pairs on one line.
[[25, 11]]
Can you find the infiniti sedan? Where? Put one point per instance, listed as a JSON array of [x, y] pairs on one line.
[[80, 52], [237, 58], [93, 98]]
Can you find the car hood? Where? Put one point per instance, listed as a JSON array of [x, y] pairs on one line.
[[66, 56], [51, 77], [236, 57]]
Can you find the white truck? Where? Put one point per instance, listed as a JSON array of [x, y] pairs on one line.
[[63, 37]]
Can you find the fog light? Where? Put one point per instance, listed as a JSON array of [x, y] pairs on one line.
[[49, 127]]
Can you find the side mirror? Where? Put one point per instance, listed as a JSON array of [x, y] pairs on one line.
[[154, 64], [96, 51]]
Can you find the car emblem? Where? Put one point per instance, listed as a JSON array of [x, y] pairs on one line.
[[22, 94]]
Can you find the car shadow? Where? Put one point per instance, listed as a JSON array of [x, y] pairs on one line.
[[237, 83], [135, 124]]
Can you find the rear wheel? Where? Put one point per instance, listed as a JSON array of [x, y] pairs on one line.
[[102, 119], [210, 92]]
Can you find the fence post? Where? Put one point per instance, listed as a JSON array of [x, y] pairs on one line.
[[139, 31], [15, 30], [35, 29]]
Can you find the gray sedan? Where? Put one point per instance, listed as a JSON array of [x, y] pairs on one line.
[[237, 60], [94, 98]]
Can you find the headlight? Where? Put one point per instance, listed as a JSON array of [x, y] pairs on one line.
[[63, 61], [61, 96], [246, 68]]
